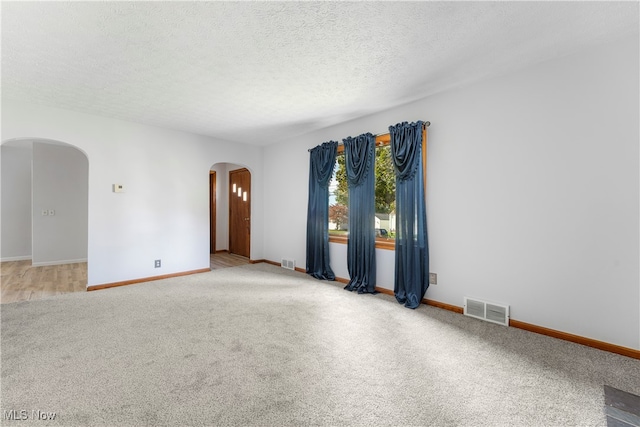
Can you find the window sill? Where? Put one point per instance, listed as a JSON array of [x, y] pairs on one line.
[[389, 245]]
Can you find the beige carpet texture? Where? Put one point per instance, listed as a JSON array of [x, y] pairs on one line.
[[259, 345]]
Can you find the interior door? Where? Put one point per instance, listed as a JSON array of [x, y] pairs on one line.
[[240, 212]]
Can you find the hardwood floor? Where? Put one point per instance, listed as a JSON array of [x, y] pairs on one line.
[[20, 281], [23, 282], [225, 259]]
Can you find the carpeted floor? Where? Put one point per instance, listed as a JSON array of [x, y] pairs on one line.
[[261, 345]]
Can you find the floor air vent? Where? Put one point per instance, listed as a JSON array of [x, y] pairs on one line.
[[289, 264], [490, 312]]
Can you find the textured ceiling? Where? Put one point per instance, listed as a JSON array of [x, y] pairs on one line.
[[259, 72]]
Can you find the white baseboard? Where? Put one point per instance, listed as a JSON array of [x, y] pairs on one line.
[[15, 258], [65, 261]]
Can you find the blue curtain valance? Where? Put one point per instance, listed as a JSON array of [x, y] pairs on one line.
[[360, 159], [406, 148]]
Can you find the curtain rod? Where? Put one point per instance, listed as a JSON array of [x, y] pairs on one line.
[[425, 123]]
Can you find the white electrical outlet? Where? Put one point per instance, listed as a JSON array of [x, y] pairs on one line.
[[433, 278], [45, 212]]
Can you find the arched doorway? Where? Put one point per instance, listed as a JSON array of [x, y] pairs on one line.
[[45, 186], [230, 211]]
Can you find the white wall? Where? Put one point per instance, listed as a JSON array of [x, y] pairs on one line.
[[60, 184], [15, 218], [533, 193], [164, 212]]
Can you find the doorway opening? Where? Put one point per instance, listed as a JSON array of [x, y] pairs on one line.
[[212, 212], [44, 245], [229, 215]]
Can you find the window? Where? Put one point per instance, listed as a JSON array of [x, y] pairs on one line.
[[385, 197]]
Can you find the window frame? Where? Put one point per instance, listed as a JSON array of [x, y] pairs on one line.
[[380, 141]]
